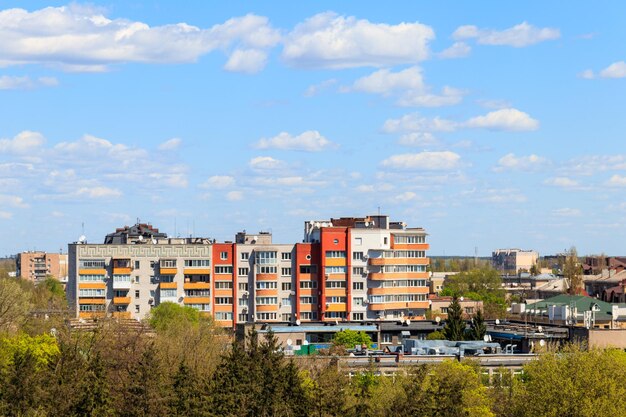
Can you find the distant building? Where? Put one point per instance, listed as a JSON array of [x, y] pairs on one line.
[[439, 306], [513, 260], [36, 266]]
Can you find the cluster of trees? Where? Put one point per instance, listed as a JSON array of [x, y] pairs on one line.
[[479, 284], [457, 264]]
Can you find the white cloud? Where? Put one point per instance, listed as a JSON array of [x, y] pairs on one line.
[[617, 181], [98, 192], [249, 61], [8, 82], [309, 141], [234, 196], [327, 40], [517, 36], [423, 139], [405, 196], [615, 70], [5, 215], [266, 163], [170, 144], [591, 164], [25, 142], [567, 212], [457, 50], [414, 122], [500, 195], [218, 182], [315, 89], [448, 97], [522, 163], [444, 160], [564, 182], [587, 74], [12, 201], [504, 119], [80, 38]]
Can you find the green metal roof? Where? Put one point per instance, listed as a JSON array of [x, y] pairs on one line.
[[580, 302]]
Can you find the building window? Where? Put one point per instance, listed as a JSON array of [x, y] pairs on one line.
[[266, 316], [136, 293], [385, 240], [357, 301], [308, 284], [285, 256], [469, 310], [223, 269], [242, 318], [335, 300], [223, 300], [358, 241], [168, 263], [168, 293], [266, 269], [285, 301], [245, 256], [197, 263], [308, 315], [335, 253], [243, 286], [286, 286], [265, 257], [308, 269], [308, 257], [223, 256], [136, 308], [336, 315], [357, 256], [357, 286], [285, 317], [285, 272], [243, 272], [335, 270], [223, 316], [266, 285], [308, 300], [137, 264], [357, 316], [336, 284], [263, 301], [91, 292], [242, 302], [444, 310], [223, 285], [357, 270], [386, 338], [136, 279]]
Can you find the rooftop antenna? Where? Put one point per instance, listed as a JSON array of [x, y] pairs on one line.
[[475, 255], [174, 226], [379, 210]]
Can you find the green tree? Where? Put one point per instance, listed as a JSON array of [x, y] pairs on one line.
[[351, 338], [436, 335], [479, 284], [14, 305], [454, 329], [168, 314], [326, 389], [572, 271], [478, 329]]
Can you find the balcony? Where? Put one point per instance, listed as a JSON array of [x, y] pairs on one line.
[[197, 300], [92, 271], [400, 305], [398, 261], [92, 285], [168, 271], [121, 314], [121, 284], [121, 300], [377, 276], [84, 300], [195, 286], [168, 285], [197, 271]]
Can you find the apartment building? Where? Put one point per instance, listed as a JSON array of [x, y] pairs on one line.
[[36, 266], [352, 269], [513, 260]]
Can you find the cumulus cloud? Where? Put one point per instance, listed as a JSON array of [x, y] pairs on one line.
[[457, 50], [12, 201], [415, 122], [308, 141], [504, 119], [617, 181], [234, 196], [218, 181], [8, 82], [265, 163], [25, 142], [170, 144], [521, 163], [81, 38], [249, 61], [563, 182], [587, 74], [407, 86], [98, 192], [445, 160], [567, 212], [423, 139], [615, 70], [328, 40], [315, 89], [517, 36]]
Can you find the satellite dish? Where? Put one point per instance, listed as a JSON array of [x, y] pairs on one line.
[[305, 342], [154, 241], [540, 329], [408, 322], [141, 238], [438, 319], [486, 338], [461, 299], [82, 239], [542, 343], [497, 321], [289, 342], [298, 322]]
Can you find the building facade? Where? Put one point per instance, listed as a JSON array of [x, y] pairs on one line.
[[513, 260], [36, 266], [347, 269]]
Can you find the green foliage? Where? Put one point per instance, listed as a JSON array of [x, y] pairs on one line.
[[478, 329], [572, 271], [351, 338], [436, 335], [14, 304], [454, 329], [166, 315], [479, 284]]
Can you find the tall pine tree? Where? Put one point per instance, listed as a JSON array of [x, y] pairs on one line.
[[454, 328]]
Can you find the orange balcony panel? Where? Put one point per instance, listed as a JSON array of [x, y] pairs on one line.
[[398, 261], [223, 293], [197, 300], [121, 271], [91, 314], [411, 246], [121, 300], [394, 290], [168, 271], [308, 291], [397, 275], [335, 262], [224, 323], [266, 277], [197, 271], [266, 308], [92, 271], [308, 307], [92, 285], [168, 285], [266, 293], [197, 286], [335, 292], [336, 307], [377, 261], [336, 277], [306, 277], [223, 308], [399, 305], [121, 314], [92, 300]]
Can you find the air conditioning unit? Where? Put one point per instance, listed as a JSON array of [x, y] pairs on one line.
[[327, 305], [366, 256], [244, 293], [151, 301], [244, 309], [327, 276]]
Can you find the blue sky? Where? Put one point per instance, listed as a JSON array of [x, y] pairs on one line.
[[489, 124]]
